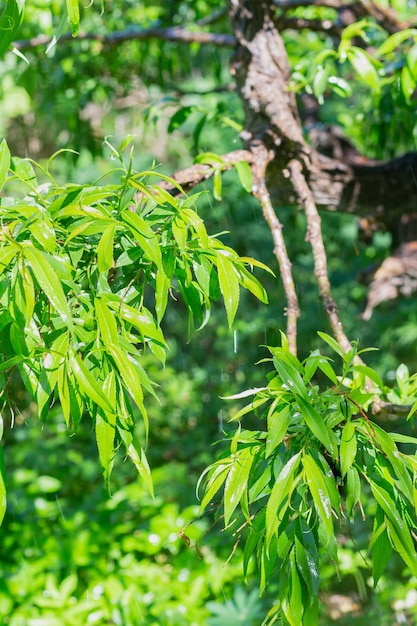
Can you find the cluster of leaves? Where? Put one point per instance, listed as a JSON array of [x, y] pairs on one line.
[[375, 72], [293, 481], [78, 266]]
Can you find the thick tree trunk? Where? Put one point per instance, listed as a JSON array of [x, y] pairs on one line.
[[349, 183]]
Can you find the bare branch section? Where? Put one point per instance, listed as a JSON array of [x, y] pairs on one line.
[[192, 176], [314, 236], [260, 191], [174, 34]]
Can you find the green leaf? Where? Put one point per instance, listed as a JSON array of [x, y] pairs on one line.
[[317, 486], [4, 158], [347, 448], [278, 423], [89, 386], [10, 20], [106, 429], [141, 463], [331, 342], [293, 604], [106, 323], [132, 379], [364, 67], [281, 490], [245, 175], [219, 473], [353, 486], [237, 480], [290, 377], [49, 282], [53, 361], [105, 249], [73, 10], [161, 294], [229, 286], [307, 557], [317, 425], [144, 236], [381, 552], [217, 185]]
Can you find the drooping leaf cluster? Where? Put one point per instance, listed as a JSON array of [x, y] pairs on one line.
[[86, 273], [290, 486]]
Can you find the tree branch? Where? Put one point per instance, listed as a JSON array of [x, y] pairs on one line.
[[260, 191], [314, 236], [192, 176], [175, 34]]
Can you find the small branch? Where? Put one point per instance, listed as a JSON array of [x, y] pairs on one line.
[[192, 176], [260, 192], [175, 34], [314, 236]]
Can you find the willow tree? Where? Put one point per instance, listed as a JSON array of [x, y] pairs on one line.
[[77, 263]]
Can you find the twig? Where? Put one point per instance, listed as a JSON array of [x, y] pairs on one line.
[[192, 176], [314, 236], [261, 192], [174, 33]]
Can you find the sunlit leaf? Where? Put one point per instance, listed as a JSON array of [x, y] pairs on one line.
[[236, 482]]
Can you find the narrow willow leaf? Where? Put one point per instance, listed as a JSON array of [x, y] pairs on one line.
[[44, 233], [106, 430], [347, 448], [141, 463], [105, 249], [131, 379], [49, 282], [105, 433], [217, 185], [106, 323], [4, 159], [245, 175], [364, 67], [278, 422], [52, 363], [161, 294], [306, 552], [214, 483], [280, 491], [179, 230], [89, 386], [320, 495], [229, 286], [10, 20], [191, 217], [353, 486], [293, 605], [73, 10], [144, 235], [64, 394], [317, 425], [381, 553], [237, 481], [252, 284], [331, 342], [290, 377], [403, 544]]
